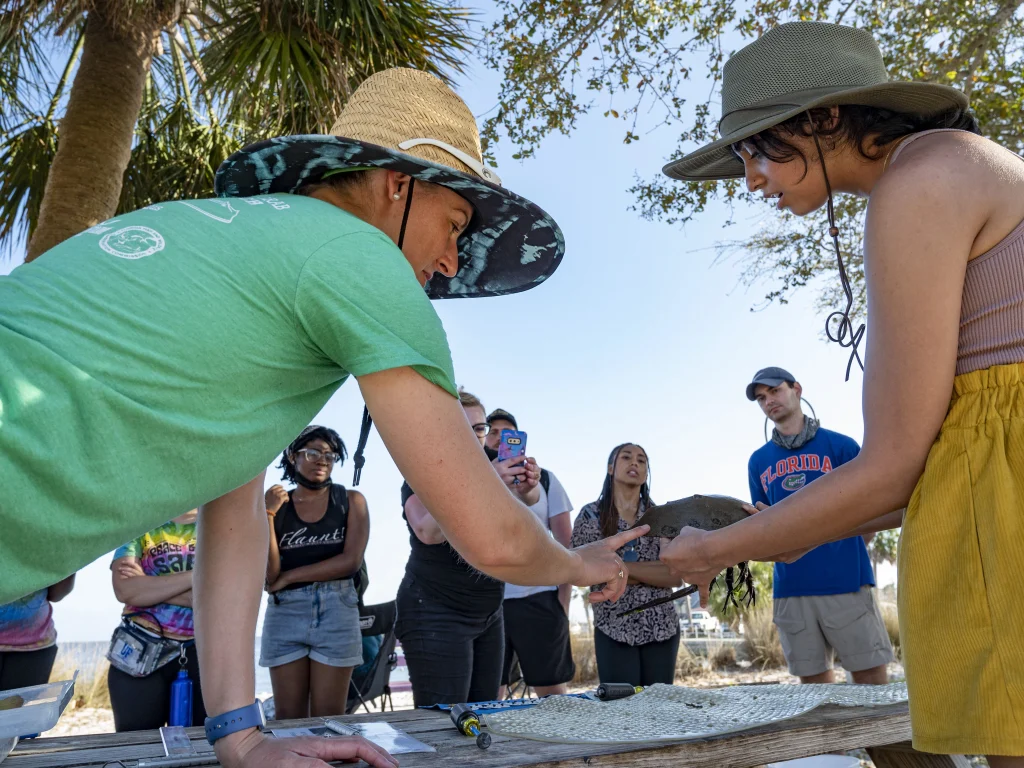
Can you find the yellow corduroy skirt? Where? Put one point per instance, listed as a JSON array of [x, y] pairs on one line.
[[961, 574]]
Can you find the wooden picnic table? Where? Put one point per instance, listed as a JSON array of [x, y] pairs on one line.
[[884, 731]]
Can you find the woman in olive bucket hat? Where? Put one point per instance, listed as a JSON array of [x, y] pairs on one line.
[[808, 110], [159, 361]]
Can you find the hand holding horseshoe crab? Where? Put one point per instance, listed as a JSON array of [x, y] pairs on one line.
[[686, 522]]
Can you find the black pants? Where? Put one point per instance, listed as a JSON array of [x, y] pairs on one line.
[[537, 632], [635, 664], [144, 703], [20, 669], [453, 658]]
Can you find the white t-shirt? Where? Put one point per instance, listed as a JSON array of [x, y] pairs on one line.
[[552, 503]]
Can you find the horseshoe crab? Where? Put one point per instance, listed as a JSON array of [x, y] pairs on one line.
[[709, 513]]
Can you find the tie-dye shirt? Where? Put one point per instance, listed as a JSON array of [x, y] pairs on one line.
[[27, 624], [171, 548]]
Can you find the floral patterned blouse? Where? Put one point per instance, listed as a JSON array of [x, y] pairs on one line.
[[650, 626]]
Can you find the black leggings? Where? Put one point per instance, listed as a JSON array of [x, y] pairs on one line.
[[144, 703], [453, 658], [636, 664], [20, 669]]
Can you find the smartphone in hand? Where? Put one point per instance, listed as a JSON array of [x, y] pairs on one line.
[[512, 445]]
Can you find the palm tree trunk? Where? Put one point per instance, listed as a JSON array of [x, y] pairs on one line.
[[96, 132]]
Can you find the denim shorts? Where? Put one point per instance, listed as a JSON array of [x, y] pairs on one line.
[[320, 621]]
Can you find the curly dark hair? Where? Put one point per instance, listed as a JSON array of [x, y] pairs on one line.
[[608, 515], [869, 129], [308, 435]]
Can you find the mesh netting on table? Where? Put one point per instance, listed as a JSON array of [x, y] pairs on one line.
[[673, 713]]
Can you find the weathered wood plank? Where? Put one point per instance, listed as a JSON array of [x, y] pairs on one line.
[[826, 732], [827, 729], [407, 720], [905, 756]]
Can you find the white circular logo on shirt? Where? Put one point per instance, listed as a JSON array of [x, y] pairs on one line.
[[133, 242]]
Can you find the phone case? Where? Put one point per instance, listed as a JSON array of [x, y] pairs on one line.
[[512, 444]]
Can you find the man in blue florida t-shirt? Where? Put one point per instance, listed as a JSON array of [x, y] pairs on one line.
[[824, 600]]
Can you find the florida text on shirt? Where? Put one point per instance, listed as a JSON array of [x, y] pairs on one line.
[[790, 466]]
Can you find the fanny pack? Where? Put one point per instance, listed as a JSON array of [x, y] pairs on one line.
[[137, 651]]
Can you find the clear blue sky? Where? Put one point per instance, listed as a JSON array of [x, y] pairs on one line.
[[637, 337]]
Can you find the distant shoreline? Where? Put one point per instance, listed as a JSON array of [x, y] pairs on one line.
[[90, 658]]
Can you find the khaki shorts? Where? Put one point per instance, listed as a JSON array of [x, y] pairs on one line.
[[811, 627]]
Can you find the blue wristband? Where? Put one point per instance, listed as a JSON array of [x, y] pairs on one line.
[[236, 720]]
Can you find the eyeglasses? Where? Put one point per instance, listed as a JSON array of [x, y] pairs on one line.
[[481, 429], [313, 455]]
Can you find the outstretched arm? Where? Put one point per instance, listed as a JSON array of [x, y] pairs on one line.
[[428, 436], [921, 226], [230, 566], [230, 570]]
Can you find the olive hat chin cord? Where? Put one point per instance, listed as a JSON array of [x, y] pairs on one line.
[[845, 335], [364, 430]]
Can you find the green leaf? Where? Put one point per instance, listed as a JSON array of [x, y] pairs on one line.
[[555, 56], [261, 68]]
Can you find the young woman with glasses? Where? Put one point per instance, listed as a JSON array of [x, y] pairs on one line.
[[311, 639]]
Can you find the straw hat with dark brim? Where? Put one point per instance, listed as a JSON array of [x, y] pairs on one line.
[[410, 121], [795, 67]]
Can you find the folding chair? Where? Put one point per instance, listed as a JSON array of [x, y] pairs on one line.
[[376, 620], [517, 687]]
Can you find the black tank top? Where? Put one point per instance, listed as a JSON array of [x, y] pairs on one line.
[[441, 571], [302, 543]]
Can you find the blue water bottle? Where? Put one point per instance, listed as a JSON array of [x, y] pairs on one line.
[[181, 696]]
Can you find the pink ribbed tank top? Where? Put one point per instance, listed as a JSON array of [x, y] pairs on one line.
[[992, 307]]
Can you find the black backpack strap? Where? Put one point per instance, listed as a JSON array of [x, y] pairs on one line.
[[545, 480], [361, 580], [364, 435], [339, 496]]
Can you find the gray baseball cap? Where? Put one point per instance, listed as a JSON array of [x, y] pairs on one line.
[[500, 414], [770, 377]]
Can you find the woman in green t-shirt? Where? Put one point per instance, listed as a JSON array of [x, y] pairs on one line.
[[206, 334]]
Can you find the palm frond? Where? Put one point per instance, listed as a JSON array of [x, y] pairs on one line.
[[26, 152], [289, 67], [227, 71], [23, 62], [175, 157]]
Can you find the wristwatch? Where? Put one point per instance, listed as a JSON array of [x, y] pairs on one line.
[[236, 720]]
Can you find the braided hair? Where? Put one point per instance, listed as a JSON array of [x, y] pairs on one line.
[[308, 435], [608, 515]]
